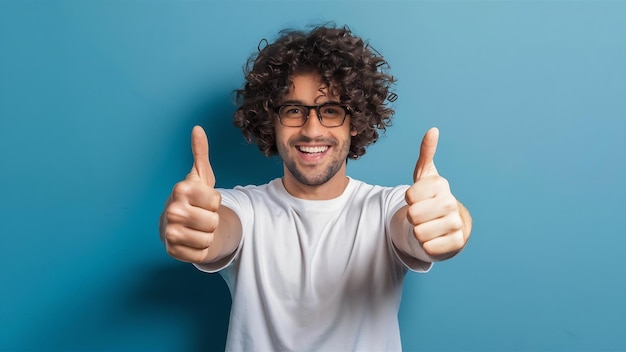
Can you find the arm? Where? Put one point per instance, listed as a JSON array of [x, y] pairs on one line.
[[194, 226]]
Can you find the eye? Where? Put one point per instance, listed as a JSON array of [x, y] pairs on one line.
[[291, 111], [332, 111]]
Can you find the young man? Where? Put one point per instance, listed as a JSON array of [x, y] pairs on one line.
[[314, 260]]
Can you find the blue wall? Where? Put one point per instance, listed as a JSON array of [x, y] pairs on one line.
[[97, 100]]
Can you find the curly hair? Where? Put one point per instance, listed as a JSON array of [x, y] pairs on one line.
[[353, 71]]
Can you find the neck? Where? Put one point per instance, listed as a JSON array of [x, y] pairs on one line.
[[330, 189]]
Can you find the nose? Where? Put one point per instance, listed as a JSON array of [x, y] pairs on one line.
[[313, 128]]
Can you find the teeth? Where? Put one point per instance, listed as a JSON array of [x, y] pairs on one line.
[[317, 149]]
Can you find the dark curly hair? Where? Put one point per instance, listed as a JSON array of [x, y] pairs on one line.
[[354, 72]]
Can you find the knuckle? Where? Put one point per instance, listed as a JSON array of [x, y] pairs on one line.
[[429, 249], [409, 196], [181, 189], [458, 241], [213, 220], [199, 256], [209, 240], [450, 205], [411, 214], [175, 212], [442, 183], [215, 199], [173, 235], [418, 233], [172, 251], [185, 254], [457, 223]]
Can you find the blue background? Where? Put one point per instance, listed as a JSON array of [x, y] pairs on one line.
[[97, 100]]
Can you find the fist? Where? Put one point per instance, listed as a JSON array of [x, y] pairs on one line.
[[433, 211], [190, 217]]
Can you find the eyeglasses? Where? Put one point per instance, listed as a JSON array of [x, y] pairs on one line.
[[330, 114]]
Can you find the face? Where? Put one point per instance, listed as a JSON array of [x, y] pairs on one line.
[[313, 155]]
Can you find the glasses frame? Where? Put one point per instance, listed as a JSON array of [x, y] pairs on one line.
[[317, 108]]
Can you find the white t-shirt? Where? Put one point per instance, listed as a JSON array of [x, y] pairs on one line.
[[316, 275]]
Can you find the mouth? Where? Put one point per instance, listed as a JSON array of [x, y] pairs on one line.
[[318, 149]]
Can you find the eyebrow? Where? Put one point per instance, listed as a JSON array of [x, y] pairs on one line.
[[300, 102]]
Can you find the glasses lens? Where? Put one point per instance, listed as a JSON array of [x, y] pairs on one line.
[[332, 115], [292, 115]]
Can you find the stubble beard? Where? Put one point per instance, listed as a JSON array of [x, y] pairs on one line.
[[316, 178]]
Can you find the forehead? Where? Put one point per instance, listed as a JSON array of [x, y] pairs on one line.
[[308, 87]]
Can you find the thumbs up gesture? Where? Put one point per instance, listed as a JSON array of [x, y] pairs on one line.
[[433, 212], [190, 218]]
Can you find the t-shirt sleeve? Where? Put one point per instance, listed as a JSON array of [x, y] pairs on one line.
[[238, 202], [396, 200]]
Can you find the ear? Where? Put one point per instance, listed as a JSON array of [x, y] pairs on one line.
[[353, 131]]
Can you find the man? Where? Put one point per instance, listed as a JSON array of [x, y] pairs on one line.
[[314, 260]]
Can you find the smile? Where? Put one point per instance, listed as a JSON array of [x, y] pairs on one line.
[[312, 149]]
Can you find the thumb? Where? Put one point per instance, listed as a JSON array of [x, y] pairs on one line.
[[200, 149], [425, 165]]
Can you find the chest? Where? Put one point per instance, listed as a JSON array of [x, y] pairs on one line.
[[318, 254]]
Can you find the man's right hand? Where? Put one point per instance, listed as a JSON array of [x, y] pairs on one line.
[[190, 218]]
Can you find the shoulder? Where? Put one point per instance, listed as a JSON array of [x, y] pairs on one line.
[[366, 189], [251, 194], [248, 189]]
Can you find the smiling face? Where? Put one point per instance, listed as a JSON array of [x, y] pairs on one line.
[[314, 156]]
